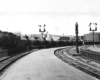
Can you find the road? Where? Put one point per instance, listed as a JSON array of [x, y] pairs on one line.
[[43, 65]]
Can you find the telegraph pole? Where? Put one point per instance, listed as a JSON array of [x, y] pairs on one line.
[[76, 30]]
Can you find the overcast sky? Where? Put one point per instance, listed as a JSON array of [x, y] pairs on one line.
[[59, 16]]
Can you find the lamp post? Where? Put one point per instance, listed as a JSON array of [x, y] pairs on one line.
[[93, 30], [42, 31]]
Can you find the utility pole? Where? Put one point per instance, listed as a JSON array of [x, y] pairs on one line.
[[76, 30]]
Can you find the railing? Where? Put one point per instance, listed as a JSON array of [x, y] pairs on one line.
[[90, 55]]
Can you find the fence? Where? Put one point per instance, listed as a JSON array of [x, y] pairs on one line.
[[90, 55], [10, 52], [3, 53]]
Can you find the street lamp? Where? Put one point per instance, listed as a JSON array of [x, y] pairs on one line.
[[93, 29], [42, 31]]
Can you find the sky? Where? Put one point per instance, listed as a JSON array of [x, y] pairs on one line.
[[59, 16]]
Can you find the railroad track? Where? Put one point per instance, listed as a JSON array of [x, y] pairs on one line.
[[5, 63], [78, 64]]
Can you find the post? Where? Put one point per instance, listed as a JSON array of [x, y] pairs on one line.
[[76, 26], [42, 32], [77, 43], [93, 30], [93, 38]]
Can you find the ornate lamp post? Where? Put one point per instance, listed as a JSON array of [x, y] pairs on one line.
[[76, 29], [93, 30], [42, 31]]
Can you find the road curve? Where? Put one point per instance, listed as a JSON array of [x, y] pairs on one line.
[[43, 65]]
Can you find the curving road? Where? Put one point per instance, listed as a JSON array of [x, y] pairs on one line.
[[43, 65]]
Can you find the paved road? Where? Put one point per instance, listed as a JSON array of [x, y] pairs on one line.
[[43, 65]]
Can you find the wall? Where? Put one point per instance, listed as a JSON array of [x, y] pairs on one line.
[[89, 37]]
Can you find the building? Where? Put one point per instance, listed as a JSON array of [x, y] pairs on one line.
[[89, 37], [51, 37], [80, 38], [64, 38]]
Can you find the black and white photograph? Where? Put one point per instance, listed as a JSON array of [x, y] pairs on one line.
[[49, 39]]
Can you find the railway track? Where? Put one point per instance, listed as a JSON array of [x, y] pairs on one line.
[[5, 63], [78, 64]]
